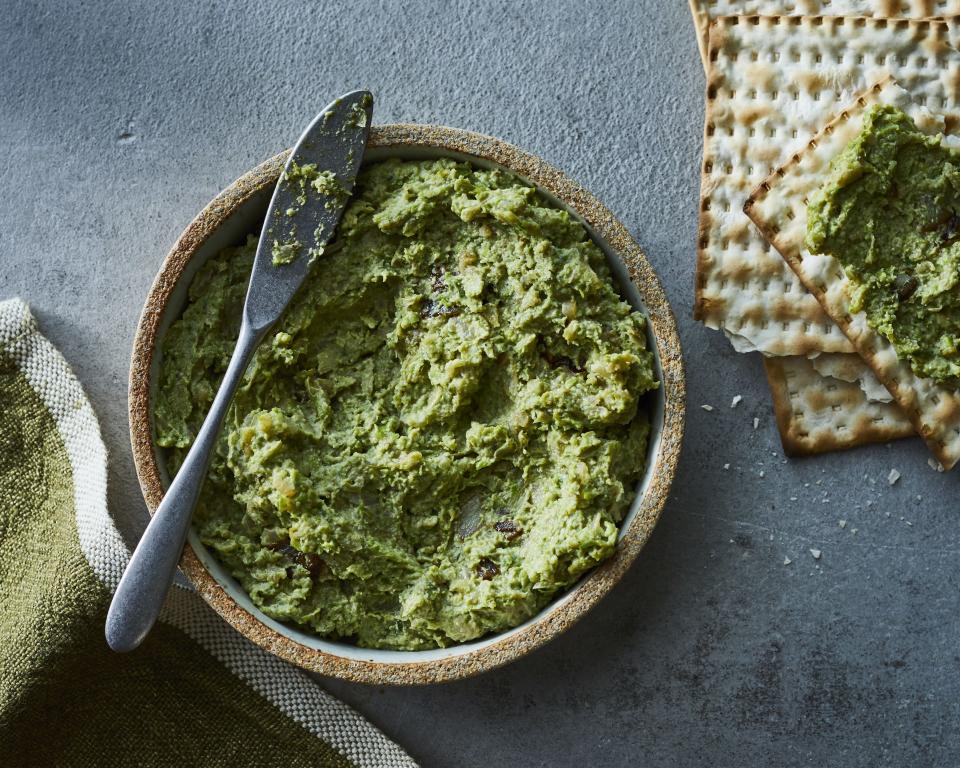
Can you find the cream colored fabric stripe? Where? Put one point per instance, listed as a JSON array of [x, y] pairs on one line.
[[51, 378]]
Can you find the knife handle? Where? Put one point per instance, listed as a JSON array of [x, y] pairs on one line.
[[147, 578]]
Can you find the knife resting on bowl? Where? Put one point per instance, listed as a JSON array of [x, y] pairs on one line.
[[304, 211]]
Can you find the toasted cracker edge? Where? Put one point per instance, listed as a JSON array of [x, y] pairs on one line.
[[701, 21]]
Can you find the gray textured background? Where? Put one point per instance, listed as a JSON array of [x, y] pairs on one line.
[[120, 120]]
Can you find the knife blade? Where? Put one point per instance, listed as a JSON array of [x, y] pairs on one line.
[[306, 207]]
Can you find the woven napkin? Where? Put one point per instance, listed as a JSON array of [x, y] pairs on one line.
[[196, 693]]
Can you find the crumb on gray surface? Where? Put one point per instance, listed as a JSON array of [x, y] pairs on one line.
[[893, 476]]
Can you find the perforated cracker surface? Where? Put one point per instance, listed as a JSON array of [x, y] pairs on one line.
[[817, 413], [773, 82], [705, 10], [779, 208]]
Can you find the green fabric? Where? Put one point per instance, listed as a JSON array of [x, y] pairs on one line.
[[195, 693], [65, 699]]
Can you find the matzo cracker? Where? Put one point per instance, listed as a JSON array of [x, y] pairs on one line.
[[773, 82], [779, 208], [706, 10], [817, 413]]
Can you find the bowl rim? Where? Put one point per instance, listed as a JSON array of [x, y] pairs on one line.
[[586, 593]]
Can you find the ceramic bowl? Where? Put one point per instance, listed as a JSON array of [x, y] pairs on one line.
[[239, 210]]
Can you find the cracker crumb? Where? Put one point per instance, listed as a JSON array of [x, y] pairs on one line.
[[756, 422], [707, 407], [893, 476], [736, 401], [761, 473], [816, 553], [854, 530], [842, 523], [787, 561], [793, 498], [726, 466]]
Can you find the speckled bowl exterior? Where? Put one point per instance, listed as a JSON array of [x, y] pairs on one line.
[[419, 667]]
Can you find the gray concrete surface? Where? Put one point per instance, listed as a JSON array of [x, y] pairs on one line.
[[119, 120]]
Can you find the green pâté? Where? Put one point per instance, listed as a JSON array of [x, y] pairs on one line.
[[442, 432], [889, 211]]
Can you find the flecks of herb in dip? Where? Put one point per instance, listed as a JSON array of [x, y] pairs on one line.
[[443, 431], [889, 211]]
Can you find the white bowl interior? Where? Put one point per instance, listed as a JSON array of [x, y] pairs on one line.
[[248, 218]]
